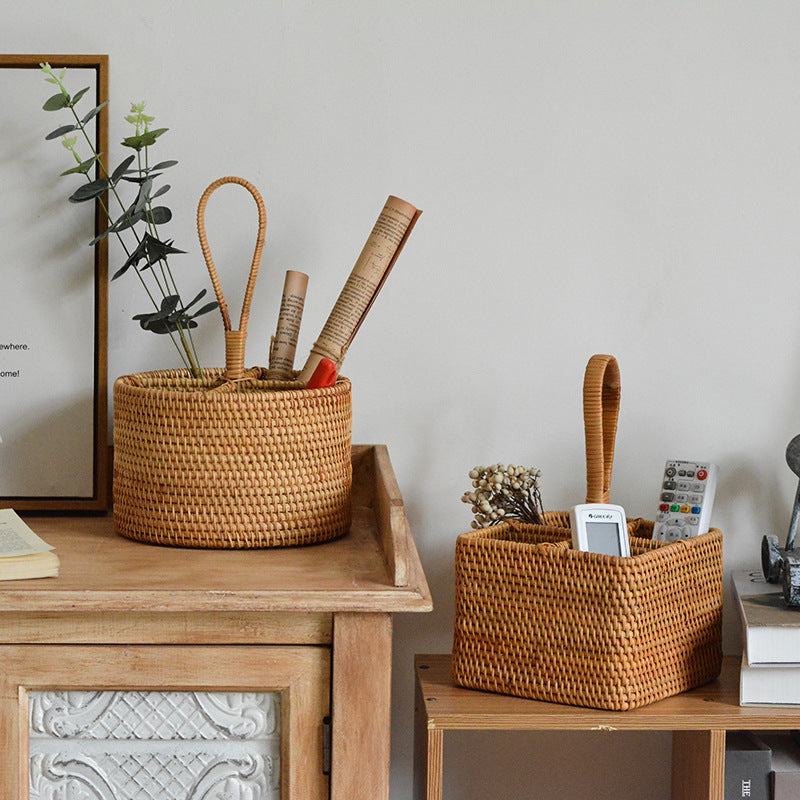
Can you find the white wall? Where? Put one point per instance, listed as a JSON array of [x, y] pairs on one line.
[[633, 163]]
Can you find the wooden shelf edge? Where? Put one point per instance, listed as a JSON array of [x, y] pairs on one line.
[[712, 707]]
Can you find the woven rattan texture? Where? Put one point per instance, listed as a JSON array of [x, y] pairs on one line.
[[537, 619], [243, 466]]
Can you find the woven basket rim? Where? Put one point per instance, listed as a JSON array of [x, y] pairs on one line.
[[180, 383], [495, 534]]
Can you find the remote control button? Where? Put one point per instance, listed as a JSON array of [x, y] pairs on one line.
[[693, 520], [690, 473], [669, 484], [701, 474], [698, 487], [681, 473], [662, 515], [684, 509], [683, 486], [663, 507], [695, 509], [674, 508], [670, 472], [681, 497], [696, 499], [667, 496]]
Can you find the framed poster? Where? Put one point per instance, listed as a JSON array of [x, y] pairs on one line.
[[53, 296]]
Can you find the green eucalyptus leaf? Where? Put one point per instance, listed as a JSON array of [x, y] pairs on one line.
[[135, 142], [143, 197], [120, 170], [56, 102], [133, 259], [83, 167], [89, 191], [160, 215], [163, 165], [168, 305], [94, 112], [205, 309], [145, 139], [167, 319], [121, 271], [200, 296], [161, 190], [127, 220], [164, 326], [156, 249], [101, 236], [64, 129], [77, 96]]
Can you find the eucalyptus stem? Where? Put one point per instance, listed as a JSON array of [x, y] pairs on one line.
[[171, 315], [186, 362]]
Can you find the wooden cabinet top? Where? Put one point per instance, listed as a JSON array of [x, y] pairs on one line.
[[374, 567]]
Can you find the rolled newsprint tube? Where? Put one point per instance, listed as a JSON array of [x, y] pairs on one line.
[[384, 244], [284, 342]]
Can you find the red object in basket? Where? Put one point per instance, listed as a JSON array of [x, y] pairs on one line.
[[324, 375]]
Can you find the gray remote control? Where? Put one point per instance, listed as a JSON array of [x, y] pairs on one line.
[[687, 497]]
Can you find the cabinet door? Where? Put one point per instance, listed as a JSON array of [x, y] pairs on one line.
[[145, 722]]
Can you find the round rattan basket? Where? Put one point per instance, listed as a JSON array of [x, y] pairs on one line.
[[261, 466], [231, 459]]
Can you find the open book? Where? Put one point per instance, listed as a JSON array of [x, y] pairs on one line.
[[22, 553]]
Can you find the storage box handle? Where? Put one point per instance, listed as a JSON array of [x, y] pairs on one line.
[[234, 339], [601, 392]]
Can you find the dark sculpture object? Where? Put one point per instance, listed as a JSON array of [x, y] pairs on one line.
[[782, 565]]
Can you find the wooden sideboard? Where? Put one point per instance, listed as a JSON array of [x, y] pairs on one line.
[[313, 624]]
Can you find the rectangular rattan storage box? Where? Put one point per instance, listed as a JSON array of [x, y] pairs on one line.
[[537, 619]]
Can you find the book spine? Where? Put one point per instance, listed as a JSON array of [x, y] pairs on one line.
[[785, 785], [769, 684], [747, 773]]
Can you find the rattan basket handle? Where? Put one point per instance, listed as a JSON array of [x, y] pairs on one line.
[[601, 391], [234, 339]]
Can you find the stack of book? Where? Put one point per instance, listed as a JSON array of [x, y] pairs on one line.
[[770, 673], [763, 766]]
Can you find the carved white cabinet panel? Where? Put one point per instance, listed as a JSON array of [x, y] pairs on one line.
[[132, 745], [163, 723]]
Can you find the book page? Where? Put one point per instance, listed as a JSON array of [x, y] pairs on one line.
[[368, 276], [16, 538]]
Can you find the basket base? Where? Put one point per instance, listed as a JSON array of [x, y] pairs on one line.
[[243, 540]]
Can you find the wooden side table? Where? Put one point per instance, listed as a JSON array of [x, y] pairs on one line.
[[698, 720], [312, 625]]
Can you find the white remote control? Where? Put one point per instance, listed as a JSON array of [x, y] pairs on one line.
[[687, 496]]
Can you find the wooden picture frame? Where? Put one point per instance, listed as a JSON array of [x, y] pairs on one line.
[[54, 341]]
